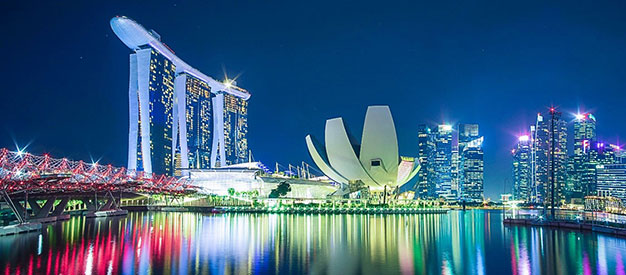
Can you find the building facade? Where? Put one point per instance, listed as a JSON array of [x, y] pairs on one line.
[[611, 181], [180, 118]]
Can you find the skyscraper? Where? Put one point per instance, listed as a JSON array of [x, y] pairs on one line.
[[455, 186], [199, 122], [596, 154], [522, 169], [471, 163], [179, 117], [442, 165], [584, 134], [425, 187], [151, 128], [541, 148], [235, 129], [550, 152]]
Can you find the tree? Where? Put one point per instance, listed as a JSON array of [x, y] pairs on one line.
[[281, 190]]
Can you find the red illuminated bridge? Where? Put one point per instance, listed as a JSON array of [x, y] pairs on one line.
[[34, 179]]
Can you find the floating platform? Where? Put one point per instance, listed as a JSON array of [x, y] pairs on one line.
[[106, 213], [51, 219], [20, 228], [573, 225]]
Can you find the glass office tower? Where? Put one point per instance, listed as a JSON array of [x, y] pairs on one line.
[[471, 163], [522, 169], [425, 187], [442, 164]]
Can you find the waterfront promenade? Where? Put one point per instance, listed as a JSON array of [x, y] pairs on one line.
[[569, 219]]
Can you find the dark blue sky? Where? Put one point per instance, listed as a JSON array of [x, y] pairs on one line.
[[65, 74]]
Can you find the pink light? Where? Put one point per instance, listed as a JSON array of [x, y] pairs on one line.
[[524, 138]]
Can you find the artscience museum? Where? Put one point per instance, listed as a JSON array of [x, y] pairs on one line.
[[374, 164]]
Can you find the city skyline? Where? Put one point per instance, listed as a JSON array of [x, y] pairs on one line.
[[590, 167], [565, 78], [313, 137]]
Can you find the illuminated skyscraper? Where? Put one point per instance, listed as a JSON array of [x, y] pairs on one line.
[[425, 186], [198, 122], [455, 185], [152, 149], [596, 154], [235, 129], [179, 117], [442, 164], [522, 169], [611, 179], [549, 159], [584, 132], [471, 163], [541, 148], [584, 135]]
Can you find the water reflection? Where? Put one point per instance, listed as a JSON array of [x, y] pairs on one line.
[[471, 242]]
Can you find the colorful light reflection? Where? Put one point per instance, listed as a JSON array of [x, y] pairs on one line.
[[470, 242]]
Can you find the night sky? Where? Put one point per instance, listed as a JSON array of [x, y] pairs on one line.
[[65, 74]]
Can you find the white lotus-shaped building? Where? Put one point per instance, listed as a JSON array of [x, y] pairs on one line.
[[375, 162]]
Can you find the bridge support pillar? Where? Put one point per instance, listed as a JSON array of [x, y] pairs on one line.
[[34, 205], [21, 211], [17, 209], [111, 203], [43, 211], [58, 210], [107, 205]]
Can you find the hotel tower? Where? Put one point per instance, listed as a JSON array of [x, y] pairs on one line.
[[180, 118]]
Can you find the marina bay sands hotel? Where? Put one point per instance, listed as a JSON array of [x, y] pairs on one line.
[[179, 117]]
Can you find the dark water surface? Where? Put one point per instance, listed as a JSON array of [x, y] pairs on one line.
[[471, 242]]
